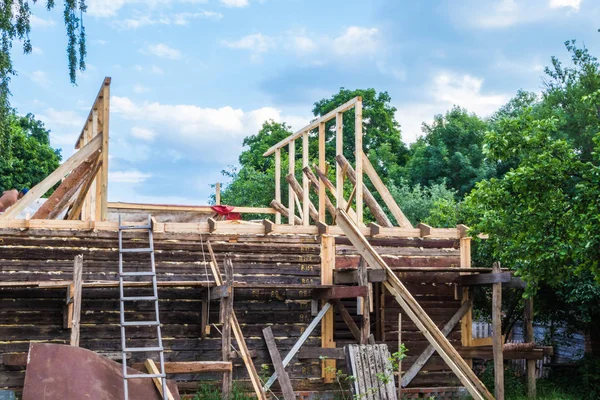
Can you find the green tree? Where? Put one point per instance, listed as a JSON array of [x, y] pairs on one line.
[[450, 152], [15, 18], [28, 157]]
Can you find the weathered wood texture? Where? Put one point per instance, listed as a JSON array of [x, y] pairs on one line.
[[281, 260]]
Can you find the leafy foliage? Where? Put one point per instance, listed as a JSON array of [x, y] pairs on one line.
[[28, 157], [433, 204], [15, 23]]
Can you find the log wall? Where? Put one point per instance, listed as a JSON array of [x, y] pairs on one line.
[[36, 314]]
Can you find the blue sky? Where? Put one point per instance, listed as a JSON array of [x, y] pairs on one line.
[[192, 78]]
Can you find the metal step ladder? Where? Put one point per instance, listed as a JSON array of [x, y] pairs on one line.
[[123, 273]]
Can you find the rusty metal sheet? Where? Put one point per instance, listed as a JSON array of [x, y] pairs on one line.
[[63, 372]]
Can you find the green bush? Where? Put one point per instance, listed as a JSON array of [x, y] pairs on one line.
[[213, 392]]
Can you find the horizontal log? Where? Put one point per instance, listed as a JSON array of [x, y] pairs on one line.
[[318, 353], [340, 292], [351, 276], [484, 279]]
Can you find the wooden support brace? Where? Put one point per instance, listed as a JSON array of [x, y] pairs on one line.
[[497, 336], [328, 367], [341, 309], [340, 292], [314, 183], [77, 285], [363, 304], [291, 179], [282, 210], [282, 376], [152, 369], [528, 325]]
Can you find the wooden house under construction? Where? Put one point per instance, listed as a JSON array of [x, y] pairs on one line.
[[320, 280]]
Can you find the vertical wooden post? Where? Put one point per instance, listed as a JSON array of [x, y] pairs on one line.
[[528, 325], [226, 333], [204, 327], [497, 336], [322, 167], [358, 141], [466, 322], [327, 324], [305, 182], [339, 149], [88, 209], [105, 110], [96, 188], [291, 194], [363, 303], [278, 183], [77, 286], [218, 193], [399, 362]]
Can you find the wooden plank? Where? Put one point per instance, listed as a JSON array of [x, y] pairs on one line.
[[415, 311], [151, 208], [339, 150], [103, 184], [484, 279], [152, 369], [351, 276], [322, 167], [227, 311], [328, 367], [487, 353], [358, 150], [282, 376], [38, 190], [299, 191], [309, 329], [278, 183], [426, 355], [344, 107], [363, 303], [466, 323], [77, 285], [291, 167], [497, 336], [375, 208], [197, 367], [218, 193], [305, 182], [340, 292], [341, 309], [314, 183], [107, 81], [385, 194], [400, 377], [528, 325], [329, 186]]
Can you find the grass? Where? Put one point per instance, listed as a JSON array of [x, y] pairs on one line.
[[212, 392]]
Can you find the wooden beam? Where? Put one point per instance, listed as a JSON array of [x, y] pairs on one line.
[[154, 208], [314, 124], [99, 96], [218, 193], [41, 188], [305, 182], [328, 367], [68, 188], [84, 195], [497, 336], [375, 208], [284, 211], [426, 355], [152, 369], [345, 277], [192, 367], [484, 279], [77, 286], [102, 198], [487, 353], [291, 168], [227, 312], [343, 312], [385, 194], [400, 361], [414, 311], [339, 150], [322, 166], [358, 144], [282, 376], [278, 183], [340, 292], [311, 353], [363, 304], [309, 329], [529, 338], [466, 323], [299, 191], [314, 183], [329, 186]]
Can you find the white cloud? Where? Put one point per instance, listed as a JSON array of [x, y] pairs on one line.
[[142, 133], [37, 50], [235, 3], [183, 18], [137, 88], [41, 78], [156, 70], [446, 90], [301, 44], [37, 22], [100, 42], [131, 176], [256, 43], [110, 8], [197, 131], [163, 51], [65, 127], [357, 41], [574, 4]]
